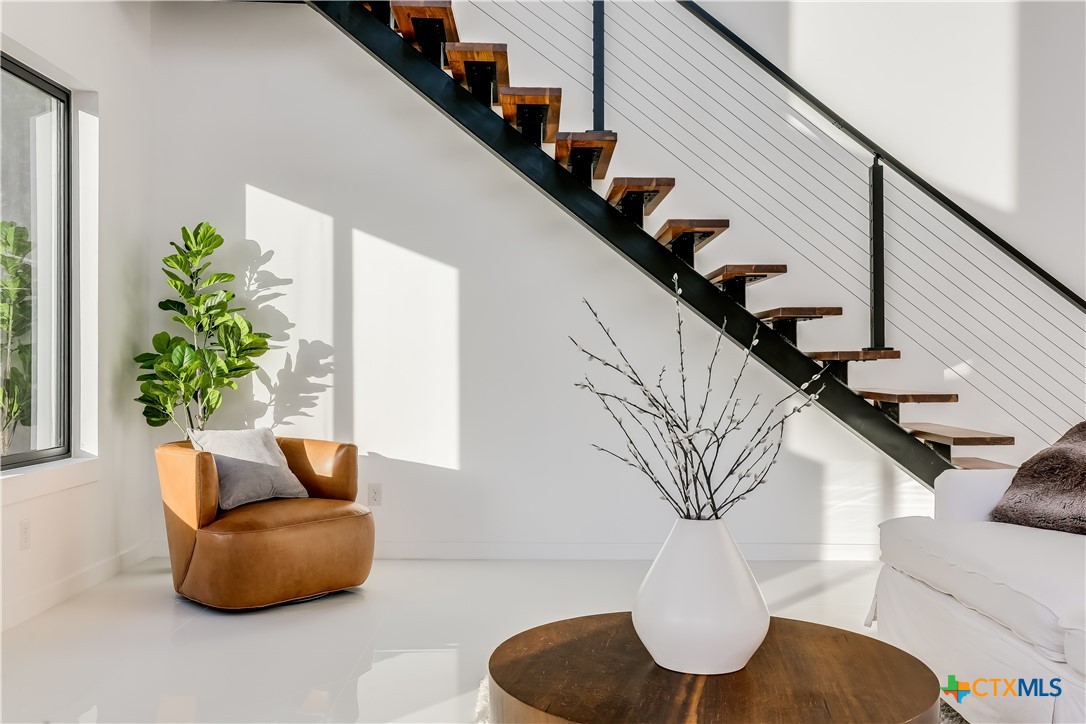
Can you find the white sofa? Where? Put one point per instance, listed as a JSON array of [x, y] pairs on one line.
[[982, 600]]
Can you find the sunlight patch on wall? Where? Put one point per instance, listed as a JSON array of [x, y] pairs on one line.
[[959, 371], [407, 354], [284, 267]]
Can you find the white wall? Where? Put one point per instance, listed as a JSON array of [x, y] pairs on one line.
[[427, 296], [93, 514]]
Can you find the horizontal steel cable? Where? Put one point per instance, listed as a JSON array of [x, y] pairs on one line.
[[950, 366]]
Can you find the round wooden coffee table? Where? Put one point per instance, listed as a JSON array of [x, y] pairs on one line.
[[595, 669]]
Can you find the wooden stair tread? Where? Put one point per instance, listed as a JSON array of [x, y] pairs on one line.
[[780, 313], [751, 272], [405, 11], [567, 142], [622, 185], [968, 463], [885, 395], [531, 96], [949, 435], [460, 53], [704, 230], [855, 355]]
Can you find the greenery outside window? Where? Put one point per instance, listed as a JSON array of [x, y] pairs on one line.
[[35, 415]]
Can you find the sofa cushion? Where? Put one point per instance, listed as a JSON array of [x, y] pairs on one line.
[[1049, 489], [1030, 580]]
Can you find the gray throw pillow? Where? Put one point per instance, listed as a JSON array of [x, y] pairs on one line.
[[250, 464], [1049, 490]]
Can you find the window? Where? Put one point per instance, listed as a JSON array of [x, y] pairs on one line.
[[34, 293]]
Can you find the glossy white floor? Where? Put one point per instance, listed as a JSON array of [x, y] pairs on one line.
[[410, 645]]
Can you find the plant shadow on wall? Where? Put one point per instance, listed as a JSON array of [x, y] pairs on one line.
[[296, 387], [184, 377]]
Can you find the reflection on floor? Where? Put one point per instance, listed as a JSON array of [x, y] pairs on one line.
[[411, 645]]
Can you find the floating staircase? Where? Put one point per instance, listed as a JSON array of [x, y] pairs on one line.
[[532, 111], [942, 437], [836, 363], [478, 77], [585, 154], [686, 236], [733, 279], [482, 68], [785, 320], [428, 25], [636, 197]]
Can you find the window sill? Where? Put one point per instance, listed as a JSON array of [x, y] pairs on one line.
[[34, 481]]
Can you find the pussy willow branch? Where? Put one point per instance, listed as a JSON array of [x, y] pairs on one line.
[[642, 463], [689, 449], [636, 412], [682, 348]]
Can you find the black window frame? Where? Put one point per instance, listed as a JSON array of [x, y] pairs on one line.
[[64, 271]]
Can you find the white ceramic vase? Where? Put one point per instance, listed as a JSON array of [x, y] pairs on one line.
[[699, 609]]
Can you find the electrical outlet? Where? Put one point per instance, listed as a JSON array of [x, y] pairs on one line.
[[24, 534], [373, 494]]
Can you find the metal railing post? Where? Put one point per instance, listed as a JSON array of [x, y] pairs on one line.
[[597, 66], [878, 253]]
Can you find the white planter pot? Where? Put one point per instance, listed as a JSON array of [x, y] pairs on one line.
[[699, 609]]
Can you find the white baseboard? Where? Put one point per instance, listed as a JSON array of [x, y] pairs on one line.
[[810, 551], [157, 548], [488, 550], [31, 604]]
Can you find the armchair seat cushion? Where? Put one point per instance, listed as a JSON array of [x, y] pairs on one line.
[[280, 550], [267, 515]]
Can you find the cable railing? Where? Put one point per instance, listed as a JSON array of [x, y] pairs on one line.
[[950, 288]]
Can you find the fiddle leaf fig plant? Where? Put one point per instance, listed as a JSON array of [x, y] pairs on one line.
[[186, 374], [16, 316]]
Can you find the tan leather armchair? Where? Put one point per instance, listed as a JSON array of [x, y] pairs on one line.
[[271, 551]]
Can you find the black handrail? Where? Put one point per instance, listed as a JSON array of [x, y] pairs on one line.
[[851, 131]]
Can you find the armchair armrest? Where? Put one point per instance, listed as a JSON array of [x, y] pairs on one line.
[[189, 482], [970, 495], [326, 469]]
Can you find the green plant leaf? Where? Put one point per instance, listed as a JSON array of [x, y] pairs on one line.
[[185, 290], [182, 356], [173, 305], [220, 278], [187, 320], [166, 370], [212, 400], [160, 341], [180, 262]]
